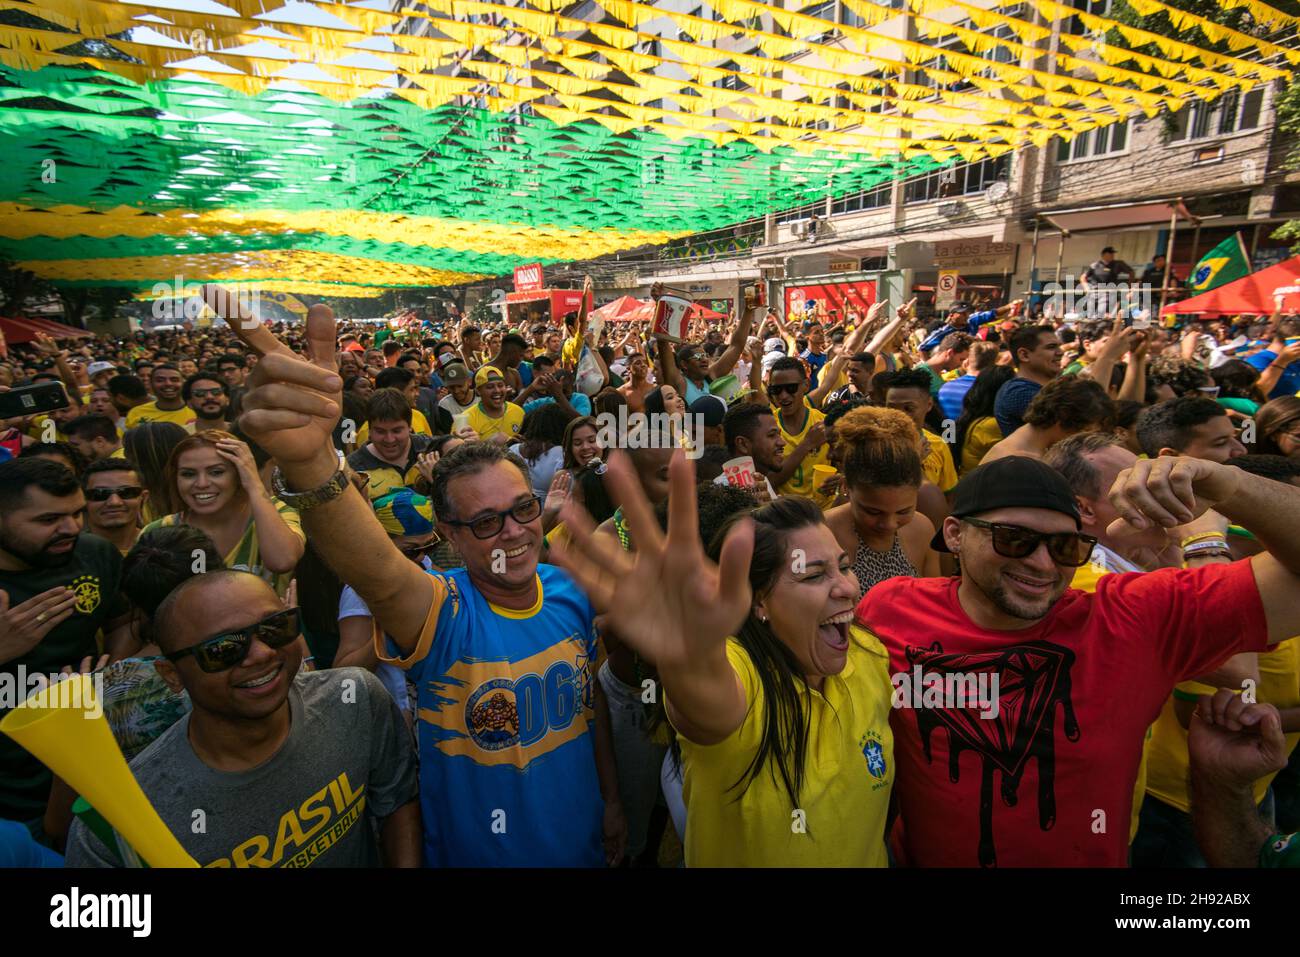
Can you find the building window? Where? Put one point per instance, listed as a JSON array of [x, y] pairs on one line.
[[799, 213], [963, 180], [822, 11], [868, 199], [1231, 113], [731, 81], [1103, 141]]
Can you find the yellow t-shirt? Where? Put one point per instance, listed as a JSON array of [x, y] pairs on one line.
[[848, 777], [982, 435], [247, 554], [938, 467], [149, 412], [419, 424], [801, 482], [508, 422], [1279, 685]]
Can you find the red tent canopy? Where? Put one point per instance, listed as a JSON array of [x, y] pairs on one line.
[[1255, 294], [25, 329], [627, 309], [620, 310], [703, 312]]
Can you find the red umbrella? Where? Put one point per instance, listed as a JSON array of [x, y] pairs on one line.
[[1253, 294], [703, 312], [620, 310]]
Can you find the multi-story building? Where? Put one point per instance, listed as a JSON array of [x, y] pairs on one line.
[[1006, 225]]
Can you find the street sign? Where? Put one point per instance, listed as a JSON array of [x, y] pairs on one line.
[[945, 290]]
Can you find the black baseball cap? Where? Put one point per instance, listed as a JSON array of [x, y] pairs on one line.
[[712, 407], [1016, 481], [1108, 249]]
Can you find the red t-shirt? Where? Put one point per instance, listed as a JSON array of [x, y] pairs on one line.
[[1076, 693]]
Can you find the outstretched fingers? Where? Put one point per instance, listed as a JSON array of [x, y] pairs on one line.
[[626, 491], [245, 322]]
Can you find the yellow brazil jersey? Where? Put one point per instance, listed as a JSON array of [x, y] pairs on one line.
[[1279, 685], [849, 774], [801, 482], [1085, 579], [149, 412], [419, 425], [982, 435], [938, 467], [508, 423], [36, 430]]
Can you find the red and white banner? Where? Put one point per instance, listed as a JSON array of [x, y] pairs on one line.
[[835, 299], [528, 278]]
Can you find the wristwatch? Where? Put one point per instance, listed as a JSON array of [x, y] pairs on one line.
[[301, 501]]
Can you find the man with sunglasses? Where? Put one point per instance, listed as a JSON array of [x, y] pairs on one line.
[[209, 397], [1049, 781], [516, 763], [114, 498], [289, 768]]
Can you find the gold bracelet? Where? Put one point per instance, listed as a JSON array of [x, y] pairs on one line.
[[1204, 537]]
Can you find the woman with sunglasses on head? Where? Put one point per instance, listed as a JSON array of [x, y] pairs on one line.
[[880, 525], [215, 481], [781, 707], [408, 519]]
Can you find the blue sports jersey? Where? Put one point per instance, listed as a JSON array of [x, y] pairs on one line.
[[1288, 383], [505, 705]]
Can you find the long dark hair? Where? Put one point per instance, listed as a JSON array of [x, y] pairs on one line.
[[149, 445], [543, 429], [783, 747], [574, 425], [978, 402]]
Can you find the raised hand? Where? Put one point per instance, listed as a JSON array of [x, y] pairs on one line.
[[1170, 490], [292, 403], [671, 603]]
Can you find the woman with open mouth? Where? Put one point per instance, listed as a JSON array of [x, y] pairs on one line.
[[214, 478], [780, 702]]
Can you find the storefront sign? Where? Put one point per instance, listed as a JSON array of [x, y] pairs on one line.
[[528, 278], [973, 256]]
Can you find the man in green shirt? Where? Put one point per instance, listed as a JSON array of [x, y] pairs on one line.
[[953, 351]]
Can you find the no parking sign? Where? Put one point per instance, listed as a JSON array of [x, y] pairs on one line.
[[945, 290]]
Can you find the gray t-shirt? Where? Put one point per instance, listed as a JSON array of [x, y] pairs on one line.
[[348, 760]]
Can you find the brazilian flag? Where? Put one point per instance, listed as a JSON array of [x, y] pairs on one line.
[[1224, 263]]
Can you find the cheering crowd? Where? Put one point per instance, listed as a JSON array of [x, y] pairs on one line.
[[996, 587]]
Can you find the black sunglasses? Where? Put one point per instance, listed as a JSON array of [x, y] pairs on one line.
[[222, 652], [1016, 541], [127, 492], [485, 526], [790, 387], [416, 552]]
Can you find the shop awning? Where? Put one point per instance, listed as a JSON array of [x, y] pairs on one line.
[[1115, 216]]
